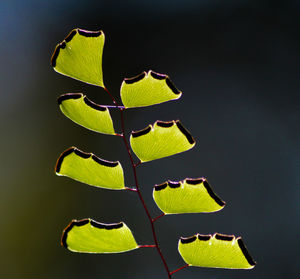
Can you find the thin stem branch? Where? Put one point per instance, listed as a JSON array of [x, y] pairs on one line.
[[112, 97], [180, 268], [137, 184], [117, 107], [147, 246], [137, 164], [131, 189], [159, 216]]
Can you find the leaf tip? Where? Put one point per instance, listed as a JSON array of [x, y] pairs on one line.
[[142, 132], [87, 33], [135, 79], [204, 237], [186, 133], [160, 186], [212, 194], [157, 75], [224, 237], [68, 96], [105, 162], [164, 124], [172, 87], [73, 223], [70, 36], [246, 254], [93, 105], [106, 226], [61, 158], [185, 240]]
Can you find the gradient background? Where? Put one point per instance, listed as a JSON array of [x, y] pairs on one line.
[[237, 63]]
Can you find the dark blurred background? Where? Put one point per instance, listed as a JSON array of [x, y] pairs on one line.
[[237, 63]]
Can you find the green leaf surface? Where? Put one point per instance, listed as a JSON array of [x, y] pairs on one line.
[[89, 169], [219, 251], [79, 56], [86, 113], [187, 196], [161, 140], [148, 89], [89, 236]]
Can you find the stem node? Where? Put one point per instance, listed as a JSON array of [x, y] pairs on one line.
[[137, 164]]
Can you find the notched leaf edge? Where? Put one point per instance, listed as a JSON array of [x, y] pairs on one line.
[[135, 79], [196, 181], [142, 132], [187, 134], [83, 155], [165, 124], [68, 96], [155, 75], [83, 222], [191, 181], [222, 237], [87, 101], [68, 38], [93, 105]]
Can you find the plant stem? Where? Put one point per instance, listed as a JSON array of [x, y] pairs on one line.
[[108, 106], [187, 265], [137, 164], [137, 184], [159, 216], [131, 189], [147, 246]]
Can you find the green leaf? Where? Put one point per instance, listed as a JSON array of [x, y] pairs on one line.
[[187, 196], [89, 169], [79, 56], [148, 89], [161, 140], [220, 251], [86, 113], [89, 236]]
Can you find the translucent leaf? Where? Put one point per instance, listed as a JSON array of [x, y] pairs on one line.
[[187, 196], [161, 140], [86, 113], [89, 169], [79, 56], [148, 89], [89, 236], [220, 251]]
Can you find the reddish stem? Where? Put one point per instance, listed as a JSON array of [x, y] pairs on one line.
[[118, 107], [159, 216], [137, 184], [131, 189], [187, 265], [147, 246], [113, 99], [137, 164]]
